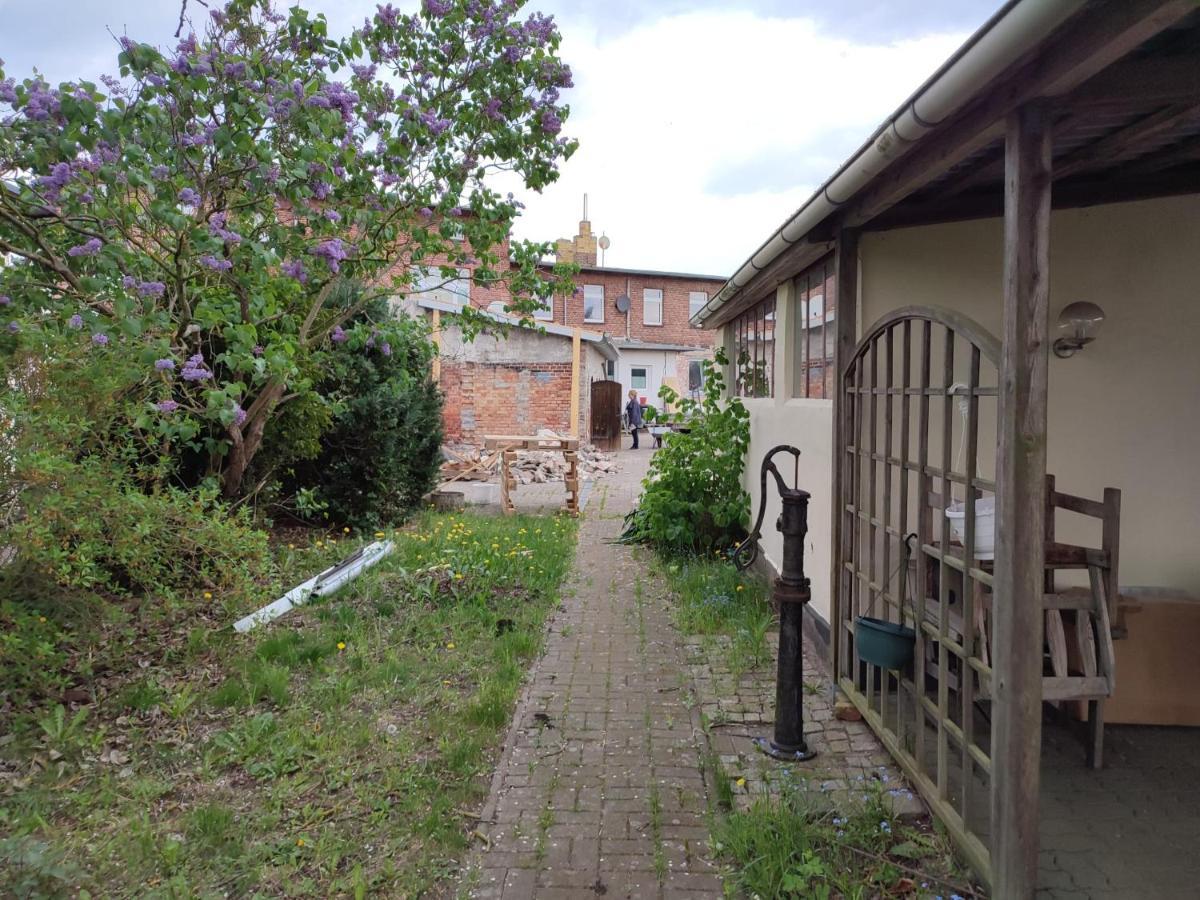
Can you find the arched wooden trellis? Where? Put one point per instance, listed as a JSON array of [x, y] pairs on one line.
[[917, 394]]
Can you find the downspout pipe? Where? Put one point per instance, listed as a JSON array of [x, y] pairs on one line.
[[1015, 28]]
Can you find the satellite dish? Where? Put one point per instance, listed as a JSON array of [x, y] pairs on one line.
[[605, 243], [623, 303]]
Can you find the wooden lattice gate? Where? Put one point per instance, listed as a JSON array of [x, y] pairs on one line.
[[606, 415], [916, 434]]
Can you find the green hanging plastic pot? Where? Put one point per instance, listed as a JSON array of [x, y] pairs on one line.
[[888, 645]]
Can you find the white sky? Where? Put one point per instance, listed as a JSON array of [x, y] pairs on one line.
[[702, 124]]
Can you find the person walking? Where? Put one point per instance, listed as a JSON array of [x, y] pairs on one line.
[[633, 417]]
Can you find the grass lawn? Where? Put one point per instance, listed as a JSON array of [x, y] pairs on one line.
[[789, 846], [339, 751]]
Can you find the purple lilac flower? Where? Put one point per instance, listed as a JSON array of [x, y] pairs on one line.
[[159, 172], [41, 102], [333, 215], [53, 184], [321, 190], [189, 197], [435, 124], [216, 226], [166, 364], [89, 248], [239, 415], [8, 90], [337, 335], [258, 350], [166, 406], [551, 123], [333, 251], [295, 269], [128, 282], [217, 265], [76, 321], [438, 8], [385, 348], [99, 339], [388, 15], [5, 300], [492, 109], [195, 369], [366, 73], [151, 288], [14, 327]]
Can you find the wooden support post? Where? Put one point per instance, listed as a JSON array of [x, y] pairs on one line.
[[845, 324], [575, 348], [436, 334], [1021, 505]]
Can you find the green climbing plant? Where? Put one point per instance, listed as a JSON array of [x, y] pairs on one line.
[[692, 499]]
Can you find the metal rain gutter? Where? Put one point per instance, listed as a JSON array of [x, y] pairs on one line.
[[1012, 31]]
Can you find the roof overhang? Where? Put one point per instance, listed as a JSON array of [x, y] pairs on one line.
[[1123, 79], [600, 341]]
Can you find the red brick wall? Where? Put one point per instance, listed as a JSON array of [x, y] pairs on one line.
[[675, 328], [505, 398]]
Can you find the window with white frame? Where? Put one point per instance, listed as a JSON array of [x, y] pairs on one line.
[[593, 303], [652, 306], [696, 301], [544, 312], [432, 284], [639, 377]]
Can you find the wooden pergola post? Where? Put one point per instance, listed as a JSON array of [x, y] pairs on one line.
[[845, 323], [1021, 506]]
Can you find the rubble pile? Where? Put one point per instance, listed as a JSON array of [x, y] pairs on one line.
[[530, 466], [537, 467]]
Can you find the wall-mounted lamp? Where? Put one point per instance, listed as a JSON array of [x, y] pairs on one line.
[[1078, 325]]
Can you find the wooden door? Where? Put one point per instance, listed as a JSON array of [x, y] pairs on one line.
[[606, 415]]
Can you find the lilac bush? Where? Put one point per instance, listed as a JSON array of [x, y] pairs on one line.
[[204, 207]]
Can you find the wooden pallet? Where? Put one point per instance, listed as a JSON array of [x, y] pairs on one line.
[[508, 446]]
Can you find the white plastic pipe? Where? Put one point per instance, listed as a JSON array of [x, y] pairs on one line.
[[1000, 43], [321, 585]]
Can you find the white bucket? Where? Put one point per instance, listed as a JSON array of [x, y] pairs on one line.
[[985, 525]]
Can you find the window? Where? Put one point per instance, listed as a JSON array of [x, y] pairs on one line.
[[639, 378], [593, 303], [696, 301], [754, 350], [651, 306], [610, 369], [815, 338], [431, 284], [545, 312], [695, 378]]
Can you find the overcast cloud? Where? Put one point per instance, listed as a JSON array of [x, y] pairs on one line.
[[702, 124]]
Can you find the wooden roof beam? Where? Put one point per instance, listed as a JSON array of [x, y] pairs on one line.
[[1104, 34], [1124, 139]]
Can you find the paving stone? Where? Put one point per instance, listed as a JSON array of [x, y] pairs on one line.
[[623, 733]]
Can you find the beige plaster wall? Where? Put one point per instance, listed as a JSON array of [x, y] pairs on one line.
[[1125, 411]]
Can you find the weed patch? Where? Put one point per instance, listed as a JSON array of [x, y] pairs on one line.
[[337, 751]]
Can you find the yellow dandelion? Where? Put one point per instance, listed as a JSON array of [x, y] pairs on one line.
[[345, 530], [379, 534], [740, 588], [458, 577], [741, 782], [41, 618], [291, 546], [341, 645], [450, 645], [299, 842], [319, 544], [446, 681], [208, 595]]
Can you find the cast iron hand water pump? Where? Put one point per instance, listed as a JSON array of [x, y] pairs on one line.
[[791, 592]]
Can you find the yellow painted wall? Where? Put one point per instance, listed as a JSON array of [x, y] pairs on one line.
[[1125, 411]]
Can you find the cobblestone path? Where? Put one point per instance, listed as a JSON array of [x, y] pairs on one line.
[[600, 790]]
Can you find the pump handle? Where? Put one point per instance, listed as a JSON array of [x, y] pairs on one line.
[[741, 559]]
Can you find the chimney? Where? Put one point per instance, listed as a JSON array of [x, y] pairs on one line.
[[585, 241]]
